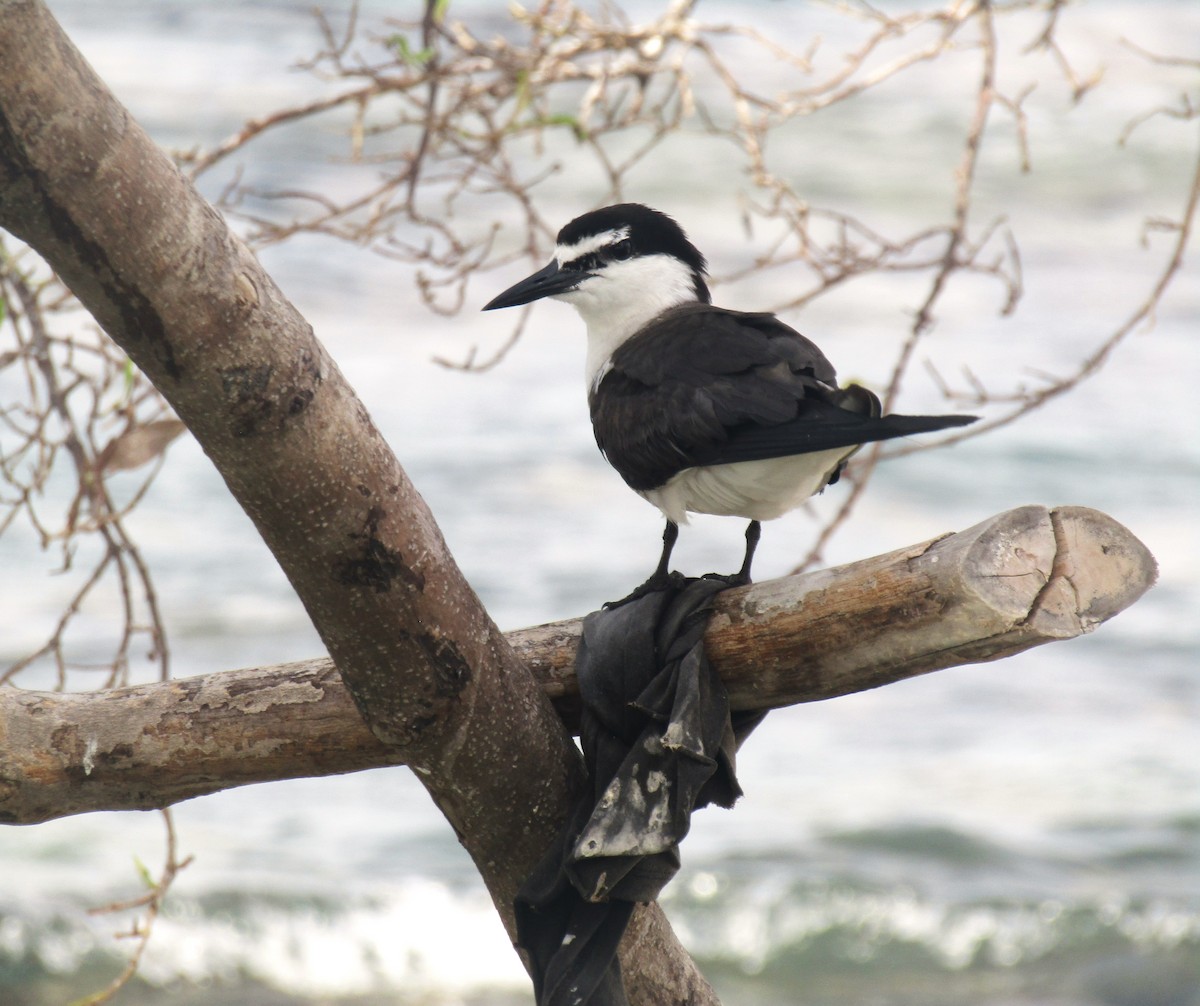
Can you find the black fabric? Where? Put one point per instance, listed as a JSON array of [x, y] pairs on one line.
[[659, 741]]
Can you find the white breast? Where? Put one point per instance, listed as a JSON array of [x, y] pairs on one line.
[[756, 490]]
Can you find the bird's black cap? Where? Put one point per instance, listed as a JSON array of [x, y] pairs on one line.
[[651, 232]]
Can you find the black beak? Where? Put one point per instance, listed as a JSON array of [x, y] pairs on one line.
[[543, 283]]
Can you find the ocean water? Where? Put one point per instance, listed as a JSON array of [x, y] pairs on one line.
[[1021, 833]]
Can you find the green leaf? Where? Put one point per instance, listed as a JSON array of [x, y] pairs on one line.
[[144, 874], [569, 121], [407, 54], [573, 123], [522, 92]]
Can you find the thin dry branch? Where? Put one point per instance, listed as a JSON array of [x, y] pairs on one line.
[[141, 928], [463, 110], [78, 386], [952, 260], [1141, 317]]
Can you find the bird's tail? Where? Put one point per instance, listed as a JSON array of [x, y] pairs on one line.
[[853, 418], [902, 426], [866, 417]]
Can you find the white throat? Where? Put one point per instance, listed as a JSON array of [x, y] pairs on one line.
[[622, 298]]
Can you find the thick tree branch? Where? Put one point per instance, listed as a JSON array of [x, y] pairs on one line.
[[156, 266], [1022, 578]]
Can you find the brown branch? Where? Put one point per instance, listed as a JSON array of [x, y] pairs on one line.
[[1142, 315], [951, 262], [199, 161], [83, 185], [1020, 579], [69, 378], [141, 929]]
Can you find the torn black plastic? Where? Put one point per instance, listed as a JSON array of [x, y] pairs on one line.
[[659, 741]]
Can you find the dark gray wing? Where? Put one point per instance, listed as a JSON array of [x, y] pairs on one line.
[[701, 385]]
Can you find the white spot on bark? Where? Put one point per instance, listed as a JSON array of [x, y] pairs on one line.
[[89, 756]]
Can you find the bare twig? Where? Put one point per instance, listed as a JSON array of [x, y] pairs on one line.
[[140, 929], [78, 385]]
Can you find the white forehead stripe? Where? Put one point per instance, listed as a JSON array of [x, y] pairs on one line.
[[585, 246]]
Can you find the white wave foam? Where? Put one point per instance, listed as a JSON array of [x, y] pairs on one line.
[[420, 937]]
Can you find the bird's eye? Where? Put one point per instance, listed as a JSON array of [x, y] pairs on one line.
[[622, 249]]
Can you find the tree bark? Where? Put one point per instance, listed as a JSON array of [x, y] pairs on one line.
[[1022, 578], [155, 265]]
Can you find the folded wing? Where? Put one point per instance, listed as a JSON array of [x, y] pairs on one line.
[[702, 385]]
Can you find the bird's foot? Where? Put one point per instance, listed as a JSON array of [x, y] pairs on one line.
[[658, 581], [739, 579]]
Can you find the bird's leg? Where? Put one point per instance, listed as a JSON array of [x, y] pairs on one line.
[[662, 577], [662, 572], [753, 533], [742, 576]]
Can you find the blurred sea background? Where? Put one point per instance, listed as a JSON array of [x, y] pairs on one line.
[[1023, 833]]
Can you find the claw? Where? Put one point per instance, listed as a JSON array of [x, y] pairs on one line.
[[656, 582]]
